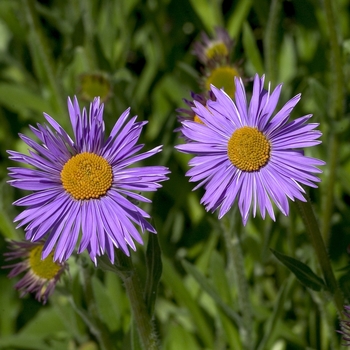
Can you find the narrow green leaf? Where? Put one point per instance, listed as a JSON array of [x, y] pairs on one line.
[[28, 342], [219, 278], [174, 281], [302, 272], [287, 58], [179, 338], [251, 49], [19, 99], [154, 271], [273, 320], [238, 16], [318, 93], [107, 309], [209, 12], [208, 288], [46, 323]]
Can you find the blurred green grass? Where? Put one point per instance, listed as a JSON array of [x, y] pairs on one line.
[[144, 48]]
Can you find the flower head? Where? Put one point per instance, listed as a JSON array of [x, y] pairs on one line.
[[217, 49], [188, 113], [221, 76], [82, 185], [95, 84], [41, 275], [242, 152]]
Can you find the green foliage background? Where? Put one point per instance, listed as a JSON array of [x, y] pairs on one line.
[[144, 48]]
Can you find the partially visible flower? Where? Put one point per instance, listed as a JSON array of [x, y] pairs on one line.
[[217, 49], [41, 276], [222, 77], [80, 186], [242, 152], [188, 113], [95, 84], [345, 326]]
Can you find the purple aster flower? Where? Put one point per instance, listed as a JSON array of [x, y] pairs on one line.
[[82, 186], [246, 154], [41, 275], [217, 49]]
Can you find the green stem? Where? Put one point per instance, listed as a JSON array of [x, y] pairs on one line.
[[270, 39], [236, 260], [317, 242], [133, 289], [336, 111], [39, 44]]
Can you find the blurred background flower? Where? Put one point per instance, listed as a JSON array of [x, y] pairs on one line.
[[41, 276]]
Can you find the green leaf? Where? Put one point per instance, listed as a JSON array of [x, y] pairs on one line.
[[207, 287], [179, 338], [46, 323], [320, 96], [238, 16], [175, 283], [7, 228], [287, 58], [28, 342], [302, 272], [219, 277], [272, 322], [20, 100], [209, 12], [154, 271], [251, 49], [107, 308]]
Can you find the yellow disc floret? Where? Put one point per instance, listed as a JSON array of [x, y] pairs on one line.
[[87, 176], [47, 268], [223, 77], [248, 149], [216, 49]]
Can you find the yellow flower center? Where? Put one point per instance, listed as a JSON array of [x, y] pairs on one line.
[[87, 176], [216, 49], [47, 268], [248, 149], [197, 119], [223, 77]]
